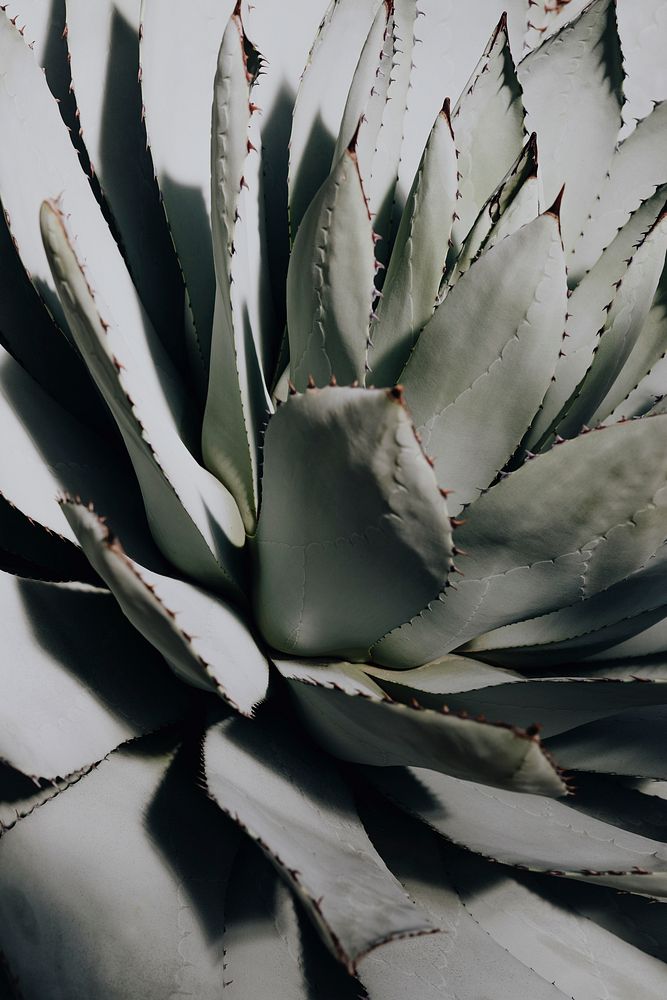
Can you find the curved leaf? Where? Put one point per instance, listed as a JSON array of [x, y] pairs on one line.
[[335, 568], [539, 834], [193, 518], [572, 504], [496, 336], [330, 281], [77, 680], [204, 640], [353, 719], [632, 743], [572, 92], [304, 819], [156, 902]]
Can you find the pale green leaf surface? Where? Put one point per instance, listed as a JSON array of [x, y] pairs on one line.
[[321, 98], [330, 281], [572, 87], [353, 719], [582, 959], [418, 257], [440, 966], [134, 856], [448, 675], [495, 337], [635, 171], [541, 834], [205, 641], [597, 395], [336, 567], [488, 127], [304, 819], [178, 55], [77, 680], [271, 950], [632, 743], [237, 403], [194, 520], [514, 203], [589, 309], [103, 47], [571, 503], [642, 28]]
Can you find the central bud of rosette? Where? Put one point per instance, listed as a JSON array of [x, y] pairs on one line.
[[354, 536]]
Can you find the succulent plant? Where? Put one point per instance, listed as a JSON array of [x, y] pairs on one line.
[[333, 500]]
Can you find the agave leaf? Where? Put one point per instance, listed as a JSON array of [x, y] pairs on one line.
[[194, 520], [596, 396], [334, 568], [648, 643], [431, 682], [178, 123], [303, 818], [103, 48], [514, 203], [320, 102], [271, 950], [352, 718], [635, 171], [205, 641], [158, 897], [418, 256], [572, 92], [330, 281], [368, 91], [237, 403], [642, 28], [512, 911], [45, 451], [609, 617], [535, 833], [545, 19], [488, 125], [439, 965], [78, 680], [30, 550], [630, 743], [556, 704], [589, 309], [464, 363], [572, 503]]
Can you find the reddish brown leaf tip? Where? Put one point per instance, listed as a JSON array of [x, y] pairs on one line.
[[447, 114], [555, 208], [395, 393]]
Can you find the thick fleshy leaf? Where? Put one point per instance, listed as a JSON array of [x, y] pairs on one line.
[[582, 959], [642, 27], [589, 512], [336, 567], [597, 395], [237, 402], [438, 966], [589, 626], [572, 92], [205, 641], [540, 834], [119, 880], [545, 19], [271, 949], [330, 281], [44, 452], [632, 743], [77, 679], [635, 171], [295, 805], [353, 719], [488, 126], [178, 122], [514, 203], [495, 337], [103, 46], [418, 257], [448, 675], [321, 99], [193, 518], [589, 311]]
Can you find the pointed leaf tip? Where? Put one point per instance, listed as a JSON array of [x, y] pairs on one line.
[[555, 208]]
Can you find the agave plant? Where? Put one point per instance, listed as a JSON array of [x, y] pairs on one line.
[[333, 500]]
